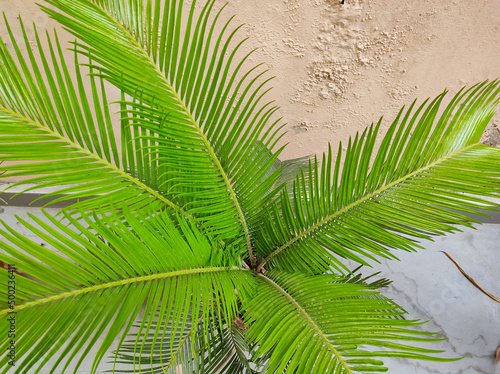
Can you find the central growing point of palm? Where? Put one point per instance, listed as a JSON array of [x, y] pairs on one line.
[[192, 248]]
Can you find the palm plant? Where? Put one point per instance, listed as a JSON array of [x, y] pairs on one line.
[[191, 246]]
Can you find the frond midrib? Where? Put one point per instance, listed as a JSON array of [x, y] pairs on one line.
[[99, 159], [358, 202], [181, 345], [119, 283], [309, 320], [209, 147]]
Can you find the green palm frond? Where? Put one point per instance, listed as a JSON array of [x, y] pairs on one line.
[[70, 297], [428, 171], [190, 95], [58, 137], [221, 350], [325, 324]]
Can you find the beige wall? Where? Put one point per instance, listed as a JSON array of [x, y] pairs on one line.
[[339, 67]]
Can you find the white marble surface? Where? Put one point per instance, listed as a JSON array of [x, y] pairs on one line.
[[429, 286]]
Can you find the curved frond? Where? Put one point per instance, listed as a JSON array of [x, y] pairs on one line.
[[428, 172], [323, 324], [222, 349], [59, 133], [193, 85], [102, 277]]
